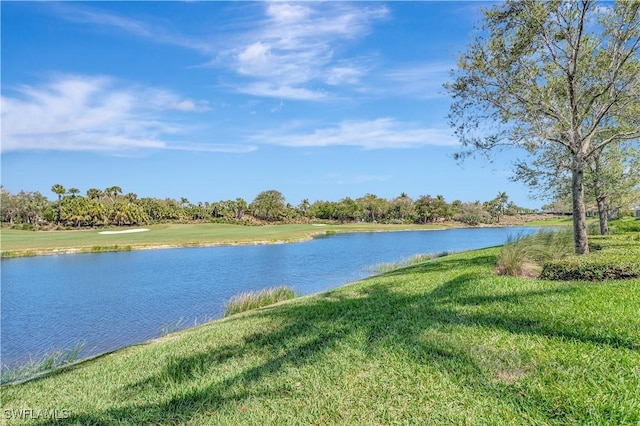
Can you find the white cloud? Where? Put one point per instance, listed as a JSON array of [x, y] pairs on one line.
[[211, 147], [81, 113], [285, 52], [297, 46], [339, 75], [282, 92], [162, 99], [283, 12], [371, 134], [254, 59]]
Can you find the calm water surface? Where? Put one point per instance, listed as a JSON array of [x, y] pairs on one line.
[[110, 300]]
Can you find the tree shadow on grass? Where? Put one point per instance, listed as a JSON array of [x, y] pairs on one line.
[[309, 330], [446, 263]]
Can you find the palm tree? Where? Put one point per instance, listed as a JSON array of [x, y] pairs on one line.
[[502, 199], [60, 190], [304, 206], [94, 194], [73, 192], [112, 192], [131, 196], [239, 208]]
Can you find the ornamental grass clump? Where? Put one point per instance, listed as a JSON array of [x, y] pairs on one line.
[[524, 256], [257, 299], [516, 259]]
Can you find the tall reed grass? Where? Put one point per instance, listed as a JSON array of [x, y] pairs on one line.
[[257, 299], [524, 256], [50, 361]]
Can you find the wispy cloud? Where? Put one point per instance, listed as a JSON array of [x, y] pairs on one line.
[[82, 113], [279, 91], [156, 32], [294, 51], [370, 134], [417, 80], [294, 48], [211, 147]]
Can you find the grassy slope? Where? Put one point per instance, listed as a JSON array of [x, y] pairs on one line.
[[175, 235], [555, 221], [443, 342]]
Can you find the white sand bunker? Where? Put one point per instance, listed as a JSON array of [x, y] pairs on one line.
[[126, 231]]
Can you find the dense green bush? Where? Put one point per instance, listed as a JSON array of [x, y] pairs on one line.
[[613, 257], [588, 269], [621, 226], [549, 256]]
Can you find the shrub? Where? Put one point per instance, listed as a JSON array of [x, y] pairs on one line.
[[589, 269], [614, 257], [621, 226], [472, 214], [257, 299]]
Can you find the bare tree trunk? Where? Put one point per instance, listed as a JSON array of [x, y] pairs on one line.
[[580, 238], [603, 212], [601, 197], [59, 208]]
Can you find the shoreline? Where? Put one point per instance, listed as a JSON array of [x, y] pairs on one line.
[[15, 254], [316, 232]]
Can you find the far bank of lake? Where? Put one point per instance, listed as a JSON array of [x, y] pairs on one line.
[[18, 243]]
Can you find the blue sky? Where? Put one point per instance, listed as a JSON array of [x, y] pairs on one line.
[[218, 100]]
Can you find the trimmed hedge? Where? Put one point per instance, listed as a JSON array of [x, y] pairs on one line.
[[613, 257], [591, 269], [620, 226]]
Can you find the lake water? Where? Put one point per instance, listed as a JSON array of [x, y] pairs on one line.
[[111, 300]]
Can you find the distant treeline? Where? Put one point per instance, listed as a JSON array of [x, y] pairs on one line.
[[71, 209]]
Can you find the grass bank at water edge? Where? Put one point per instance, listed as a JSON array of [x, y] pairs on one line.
[[445, 341]]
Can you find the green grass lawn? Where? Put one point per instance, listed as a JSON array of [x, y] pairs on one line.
[[21, 243], [555, 221], [441, 342]]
